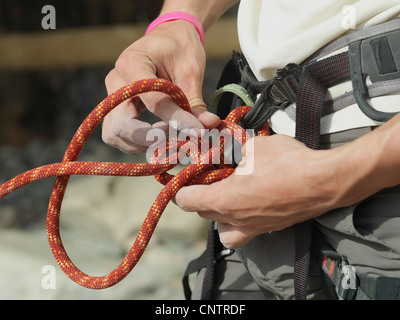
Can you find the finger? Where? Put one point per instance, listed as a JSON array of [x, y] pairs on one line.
[[208, 199], [121, 127], [129, 148], [163, 107], [161, 125], [232, 237], [113, 140], [208, 119], [130, 69], [195, 198], [122, 123]]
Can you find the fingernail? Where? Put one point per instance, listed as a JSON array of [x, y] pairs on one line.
[[213, 115]]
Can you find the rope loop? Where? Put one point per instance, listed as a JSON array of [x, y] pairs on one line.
[[201, 170]]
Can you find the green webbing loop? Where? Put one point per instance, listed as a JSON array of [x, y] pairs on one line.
[[231, 88]]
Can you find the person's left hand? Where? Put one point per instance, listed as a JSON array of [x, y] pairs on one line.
[[286, 186]]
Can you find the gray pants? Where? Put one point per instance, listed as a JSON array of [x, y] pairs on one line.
[[232, 282]]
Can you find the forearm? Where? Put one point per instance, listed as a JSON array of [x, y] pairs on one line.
[[369, 164], [206, 11]]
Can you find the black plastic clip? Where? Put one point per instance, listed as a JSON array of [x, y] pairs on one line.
[[376, 62], [286, 92]]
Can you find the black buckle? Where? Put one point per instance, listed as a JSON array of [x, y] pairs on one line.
[[277, 94], [348, 284], [282, 91], [288, 71]]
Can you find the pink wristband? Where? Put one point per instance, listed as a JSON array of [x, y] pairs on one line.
[[178, 15]]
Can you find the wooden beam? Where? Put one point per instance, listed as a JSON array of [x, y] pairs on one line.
[[93, 46]]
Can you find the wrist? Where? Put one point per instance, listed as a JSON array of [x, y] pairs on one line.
[[178, 15], [188, 7], [205, 11]]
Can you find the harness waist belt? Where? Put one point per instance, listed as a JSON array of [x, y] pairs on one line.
[[370, 61]]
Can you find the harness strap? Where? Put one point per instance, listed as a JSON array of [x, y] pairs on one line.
[[214, 252], [311, 93], [352, 286], [208, 283], [310, 98]]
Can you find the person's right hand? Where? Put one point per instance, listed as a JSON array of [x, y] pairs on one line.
[[172, 51]]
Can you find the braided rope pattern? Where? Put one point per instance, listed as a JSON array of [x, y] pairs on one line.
[[200, 172]]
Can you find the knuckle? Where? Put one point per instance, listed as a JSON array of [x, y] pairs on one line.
[[127, 57], [122, 61], [110, 132], [236, 217], [223, 206], [193, 69], [110, 78], [108, 138]]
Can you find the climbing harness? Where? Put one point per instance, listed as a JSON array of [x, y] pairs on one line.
[[371, 63], [201, 171]]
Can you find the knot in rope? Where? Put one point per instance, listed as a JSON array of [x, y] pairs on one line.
[[202, 170]]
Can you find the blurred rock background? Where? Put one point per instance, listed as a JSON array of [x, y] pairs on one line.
[[49, 81]]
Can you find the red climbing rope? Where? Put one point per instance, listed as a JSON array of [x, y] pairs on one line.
[[201, 171]]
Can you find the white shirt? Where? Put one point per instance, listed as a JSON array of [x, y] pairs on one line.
[[273, 33]]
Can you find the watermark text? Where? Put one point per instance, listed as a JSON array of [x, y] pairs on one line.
[[49, 19]]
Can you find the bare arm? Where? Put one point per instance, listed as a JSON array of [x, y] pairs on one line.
[[373, 163]]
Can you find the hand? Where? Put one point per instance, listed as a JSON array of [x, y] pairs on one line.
[[286, 186], [291, 183], [172, 51]]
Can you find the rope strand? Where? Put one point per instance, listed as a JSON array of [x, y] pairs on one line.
[[200, 172]]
